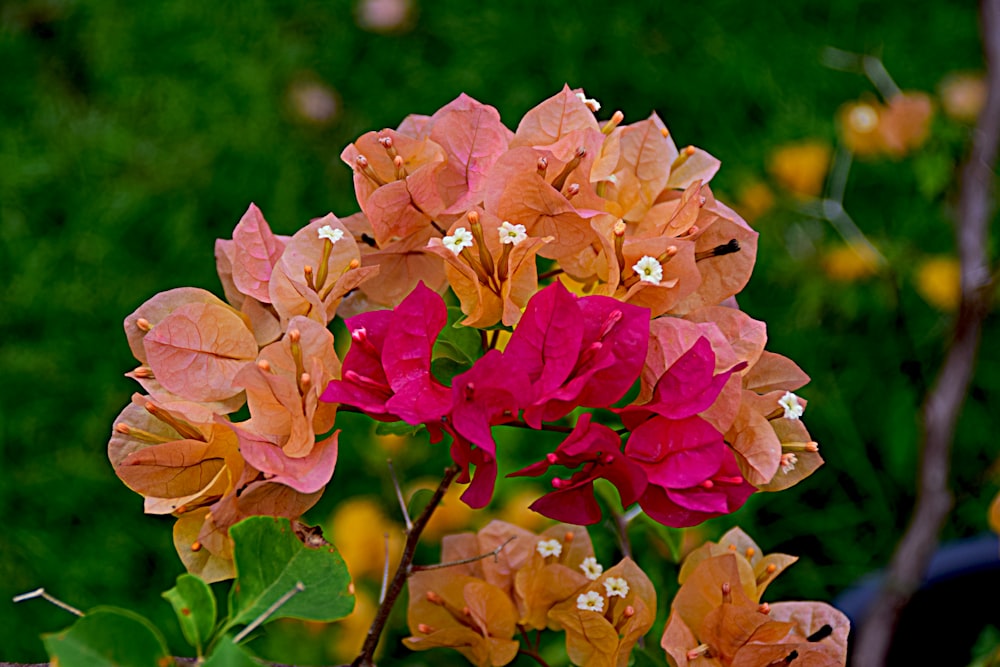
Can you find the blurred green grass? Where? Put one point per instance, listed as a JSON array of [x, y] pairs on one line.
[[131, 137]]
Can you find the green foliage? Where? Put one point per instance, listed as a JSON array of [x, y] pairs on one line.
[[108, 637], [228, 654], [194, 604], [271, 562]]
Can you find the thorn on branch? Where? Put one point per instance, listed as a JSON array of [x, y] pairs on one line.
[[472, 559]]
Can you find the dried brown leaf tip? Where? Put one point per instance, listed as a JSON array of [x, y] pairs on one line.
[[717, 617]]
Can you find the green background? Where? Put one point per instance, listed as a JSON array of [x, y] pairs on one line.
[[134, 134]]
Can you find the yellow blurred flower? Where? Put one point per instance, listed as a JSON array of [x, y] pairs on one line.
[[963, 95], [451, 516], [801, 167], [869, 128], [358, 530], [349, 633], [753, 199], [938, 281], [848, 263], [515, 510]]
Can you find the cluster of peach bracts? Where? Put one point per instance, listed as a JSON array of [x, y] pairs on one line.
[[717, 618], [482, 607], [456, 200]]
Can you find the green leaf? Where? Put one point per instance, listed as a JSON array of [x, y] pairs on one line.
[[194, 604], [445, 370], [418, 501], [397, 428], [643, 657], [108, 637], [270, 560], [228, 654], [458, 342]]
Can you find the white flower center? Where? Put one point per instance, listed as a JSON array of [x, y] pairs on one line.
[[591, 568], [462, 238], [330, 233], [549, 548], [788, 462], [512, 234], [590, 601], [793, 408], [649, 270], [616, 586]]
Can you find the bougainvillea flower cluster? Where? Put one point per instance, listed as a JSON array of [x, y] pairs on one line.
[[481, 607], [597, 245], [717, 618]]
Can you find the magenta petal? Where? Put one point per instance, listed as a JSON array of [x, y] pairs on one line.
[[663, 510], [482, 483], [677, 454], [690, 385], [623, 330], [574, 504], [489, 393], [545, 344], [415, 325], [627, 476]]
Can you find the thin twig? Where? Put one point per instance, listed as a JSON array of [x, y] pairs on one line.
[[40, 593], [909, 564], [364, 658], [399, 495], [472, 559], [385, 570], [295, 590]]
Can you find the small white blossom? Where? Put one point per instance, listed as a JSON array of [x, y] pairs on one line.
[[649, 270], [462, 238], [616, 586], [549, 548], [590, 601], [788, 462], [793, 408], [591, 568], [592, 104], [328, 232], [512, 234]]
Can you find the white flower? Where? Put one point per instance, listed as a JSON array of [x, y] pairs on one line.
[[649, 270], [592, 104], [793, 408], [549, 548], [788, 462], [328, 232], [616, 586], [591, 568], [512, 234], [590, 601], [462, 238]]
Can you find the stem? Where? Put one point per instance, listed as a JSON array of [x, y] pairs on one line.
[[534, 656], [364, 659], [297, 588], [471, 559], [550, 274], [520, 423], [944, 402]]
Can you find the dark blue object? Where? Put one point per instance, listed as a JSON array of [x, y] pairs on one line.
[[947, 614]]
